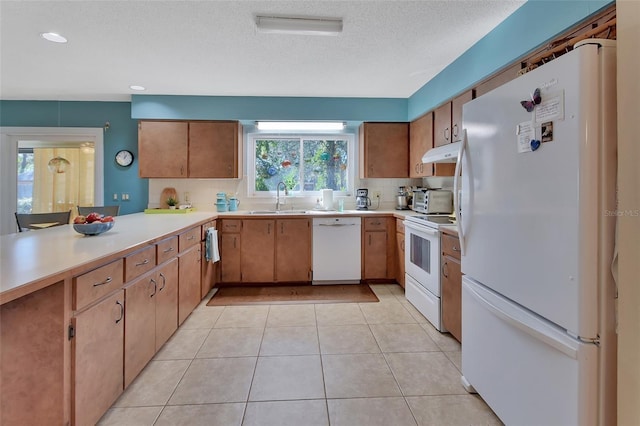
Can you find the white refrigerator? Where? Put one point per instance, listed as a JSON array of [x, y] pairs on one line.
[[537, 226]]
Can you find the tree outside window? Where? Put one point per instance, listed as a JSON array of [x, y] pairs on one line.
[[305, 164]]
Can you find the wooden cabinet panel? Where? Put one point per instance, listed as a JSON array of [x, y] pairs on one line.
[[384, 150], [93, 285], [375, 255], [375, 223], [456, 114], [442, 125], [230, 257], [166, 302], [188, 282], [420, 141], [231, 225], [97, 359], [451, 246], [140, 325], [198, 149], [189, 238], [213, 149], [162, 148], [400, 252], [257, 254], [293, 250], [139, 262], [452, 296], [166, 249]]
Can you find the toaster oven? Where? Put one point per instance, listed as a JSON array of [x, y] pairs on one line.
[[433, 201]]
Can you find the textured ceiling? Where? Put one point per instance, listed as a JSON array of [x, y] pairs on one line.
[[387, 48]]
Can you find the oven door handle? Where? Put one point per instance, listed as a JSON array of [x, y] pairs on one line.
[[422, 229]]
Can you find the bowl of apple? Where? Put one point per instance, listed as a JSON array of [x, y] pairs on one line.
[[93, 224]]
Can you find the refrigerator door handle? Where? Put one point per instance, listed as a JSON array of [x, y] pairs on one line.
[[456, 191], [553, 341]]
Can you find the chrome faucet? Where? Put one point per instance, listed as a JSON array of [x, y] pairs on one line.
[[286, 192]]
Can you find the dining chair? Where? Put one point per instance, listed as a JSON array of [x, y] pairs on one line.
[[27, 221], [104, 210]]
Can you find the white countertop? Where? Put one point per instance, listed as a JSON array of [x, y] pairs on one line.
[[31, 256]]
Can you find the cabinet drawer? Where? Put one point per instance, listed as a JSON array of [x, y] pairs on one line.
[[166, 249], [93, 285], [139, 262], [400, 226], [451, 246], [233, 225], [210, 224], [375, 224], [189, 238]]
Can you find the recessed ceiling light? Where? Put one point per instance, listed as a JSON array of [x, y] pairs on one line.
[[54, 37], [138, 88], [299, 25]]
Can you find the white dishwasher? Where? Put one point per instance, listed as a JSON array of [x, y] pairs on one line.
[[336, 250]]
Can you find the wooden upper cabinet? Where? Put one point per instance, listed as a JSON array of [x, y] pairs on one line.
[[420, 141], [442, 125], [384, 150], [163, 148], [448, 120], [213, 149], [198, 149], [456, 114]]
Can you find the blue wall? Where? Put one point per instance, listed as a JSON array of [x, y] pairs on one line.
[[532, 25], [122, 134]]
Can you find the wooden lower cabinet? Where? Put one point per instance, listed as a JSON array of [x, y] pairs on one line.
[[166, 302], [140, 325], [451, 280], [257, 255], [97, 352], [293, 250], [400, 252], [230, 257], [375, 255], [189, 270]]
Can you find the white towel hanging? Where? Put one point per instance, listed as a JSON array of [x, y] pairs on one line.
[[212, 253]]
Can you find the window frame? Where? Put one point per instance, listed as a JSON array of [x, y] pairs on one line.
[[350, 138]]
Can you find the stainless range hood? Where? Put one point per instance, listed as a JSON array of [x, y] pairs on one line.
[[443, 154]]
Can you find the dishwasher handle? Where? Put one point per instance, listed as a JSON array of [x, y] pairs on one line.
[[337, 224]]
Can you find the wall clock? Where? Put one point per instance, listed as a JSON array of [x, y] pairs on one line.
[[124, 158]]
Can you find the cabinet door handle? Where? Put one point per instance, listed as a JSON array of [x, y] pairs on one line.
[[121, 311], [144, 262], [369, 239], [268, 228], [107, 281], [155, 287], [446, 134], [445, 270], [402, 245], [168, 250], [454, 248], [190, 237], [164, 281], [455, 130], [282, 228], [234, 242]]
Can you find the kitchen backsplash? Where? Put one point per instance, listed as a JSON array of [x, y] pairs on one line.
[[201, 193]]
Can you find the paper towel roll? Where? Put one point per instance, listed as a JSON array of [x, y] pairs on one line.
[[327, 199]]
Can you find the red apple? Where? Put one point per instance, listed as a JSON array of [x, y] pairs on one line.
[[93, 217], [107, 219], [80, 219]]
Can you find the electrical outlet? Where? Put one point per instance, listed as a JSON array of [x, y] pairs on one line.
[[377, 194], [115, 196]]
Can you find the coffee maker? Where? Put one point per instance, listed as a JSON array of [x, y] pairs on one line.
[[362, 199]]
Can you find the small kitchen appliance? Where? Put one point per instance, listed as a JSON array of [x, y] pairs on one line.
[[402, 199], [362, 199], [433, 201]]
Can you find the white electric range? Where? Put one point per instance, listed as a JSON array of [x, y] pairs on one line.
[[422, 264]]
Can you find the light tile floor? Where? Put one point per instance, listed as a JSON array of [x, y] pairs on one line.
[[327, 364]]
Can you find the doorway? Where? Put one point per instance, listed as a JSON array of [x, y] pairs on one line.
[[57, 183]]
